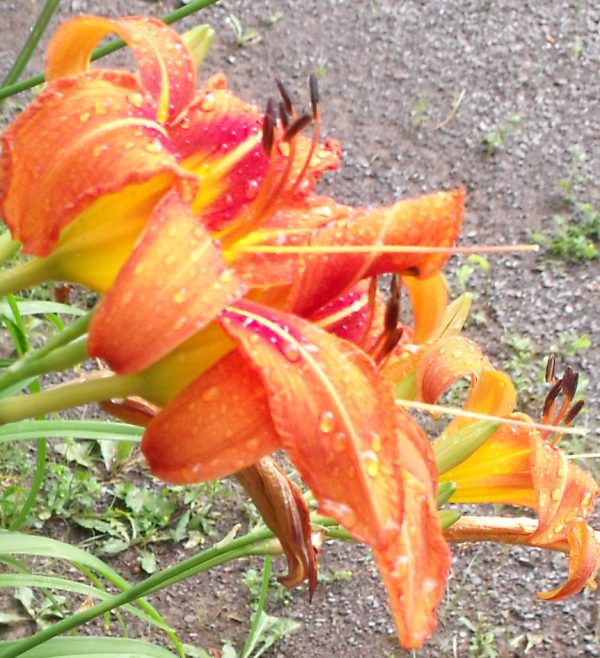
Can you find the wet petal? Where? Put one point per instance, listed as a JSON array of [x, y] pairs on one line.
[[98, 134], [565, 491], [174, 283], [415, 568], [432, 220], [428, 299], [335, 417], [166, 70], [283, 509], [584, 560], [219, 424]]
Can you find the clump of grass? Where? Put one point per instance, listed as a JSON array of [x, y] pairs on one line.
[[576, 235], [496, 140]]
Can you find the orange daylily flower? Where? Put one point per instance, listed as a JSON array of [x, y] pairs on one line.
[[147, 174], [517, 465]]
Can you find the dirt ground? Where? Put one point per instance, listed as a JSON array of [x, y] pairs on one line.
[[413, 89]]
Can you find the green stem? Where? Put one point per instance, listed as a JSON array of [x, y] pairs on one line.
[[67, 396], [219, 554], [8, 247], [25, 275], [260, 606], [174, 16], [36, 33], [61, 358]]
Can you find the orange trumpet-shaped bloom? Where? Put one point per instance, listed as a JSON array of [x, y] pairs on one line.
[[157, 191]]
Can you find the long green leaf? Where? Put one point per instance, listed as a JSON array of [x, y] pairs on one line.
[[65, 585], [27, 307], [93, 647], [28, 430]]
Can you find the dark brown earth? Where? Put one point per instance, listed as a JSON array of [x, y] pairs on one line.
[[390, 73]]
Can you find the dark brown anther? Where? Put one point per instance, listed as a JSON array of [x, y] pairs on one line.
[[314, 94], [268, 127], [284, 117], [296, 127], [570, 380], [285, 97], [550, 369], [392, 308], [574, 412], [551, 397]]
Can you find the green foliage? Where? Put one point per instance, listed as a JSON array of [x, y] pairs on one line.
[[496, 140], [244, 36], [482, 643], [576, 234]]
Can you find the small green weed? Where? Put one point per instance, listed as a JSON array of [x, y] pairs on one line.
[[420, 110], [245, 36], [482, 643], [575, 236], [496, 140]]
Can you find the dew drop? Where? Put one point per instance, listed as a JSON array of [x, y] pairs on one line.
[[291, 351], [556, 495], [376, 442], [340, 441], [327, 422], [371, 463], [154, 146], [252, 187], [252, 444], [136, 99], [84, 116], [226, 276], [211, 394], [170, 259], [208, 103], [179, 297]]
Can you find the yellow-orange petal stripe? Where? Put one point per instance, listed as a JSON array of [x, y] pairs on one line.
[[173, 284], [166, 68], [81, 139]]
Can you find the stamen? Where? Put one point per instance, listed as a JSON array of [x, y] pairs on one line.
[[285, 97], [392, 307], [385, 249], [551, 399], [574, 411], [284, 117], [296, 127], [569, 383], [550, 369], [314, 94], [268, 127], [462, 413]]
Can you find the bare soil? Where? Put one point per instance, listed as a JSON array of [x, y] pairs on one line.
[[390, 74]]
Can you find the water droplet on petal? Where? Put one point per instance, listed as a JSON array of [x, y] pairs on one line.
[[291, 351], [340, 441], [84, 116], [208, 103], [371, 463], [136, 99], [556, 495], [154, 146], [179, 297], [252, 187], [211, 394], [327, 422], [226, 276]]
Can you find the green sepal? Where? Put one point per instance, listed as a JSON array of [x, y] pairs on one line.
[[452, 449], [444, 492]]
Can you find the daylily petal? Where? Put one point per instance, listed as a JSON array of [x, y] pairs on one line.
[[166, 69], [98, 135], [565, 491], [431, 220], [584, 560], [219, 424], [174, 283], [283, 509], [415, 568], [428, 299], [335, 417], [497, 472]]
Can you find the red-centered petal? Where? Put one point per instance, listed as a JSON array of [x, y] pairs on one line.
[[174, 283], [219, 424], [166, 68], [565, 492], [218, 138], [428, 299], [415, 568], [349, 316], [584, 561], [432, 220], [82, 138], [335, 417]]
